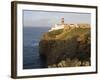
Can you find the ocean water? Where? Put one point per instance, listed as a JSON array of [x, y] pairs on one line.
[[31, 38]]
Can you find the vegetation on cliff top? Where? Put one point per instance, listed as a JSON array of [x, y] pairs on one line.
[[64, 34]]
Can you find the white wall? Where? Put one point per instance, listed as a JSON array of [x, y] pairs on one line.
[[5, 41]]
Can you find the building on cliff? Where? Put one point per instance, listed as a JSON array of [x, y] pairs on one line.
[[58, 26], [62, 25], [68, 26]]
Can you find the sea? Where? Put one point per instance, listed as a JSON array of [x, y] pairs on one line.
[[31, 38]]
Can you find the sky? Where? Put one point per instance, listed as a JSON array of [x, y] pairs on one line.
[[33, 18]]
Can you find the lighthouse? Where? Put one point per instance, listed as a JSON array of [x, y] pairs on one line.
[[58, 26], [62, 21]]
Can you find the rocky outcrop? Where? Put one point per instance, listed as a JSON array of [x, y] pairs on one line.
[[72, 48]]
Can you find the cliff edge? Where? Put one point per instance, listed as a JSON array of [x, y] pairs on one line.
[[66, 47]]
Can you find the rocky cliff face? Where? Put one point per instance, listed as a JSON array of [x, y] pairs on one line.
[[66, 48]]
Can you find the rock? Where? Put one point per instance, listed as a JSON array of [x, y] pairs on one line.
[[69, 50]]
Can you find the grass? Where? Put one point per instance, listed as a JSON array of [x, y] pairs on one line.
[[75, 32], [55, 32], [68, 33]]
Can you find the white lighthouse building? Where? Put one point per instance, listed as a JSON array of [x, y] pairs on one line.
[[58, 26]]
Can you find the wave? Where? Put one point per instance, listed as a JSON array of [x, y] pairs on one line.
[[35, 44]]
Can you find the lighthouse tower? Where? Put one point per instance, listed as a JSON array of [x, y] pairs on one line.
[[58, 26], [62, 21]]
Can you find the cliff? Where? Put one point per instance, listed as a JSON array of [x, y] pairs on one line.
[[66, 47]]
